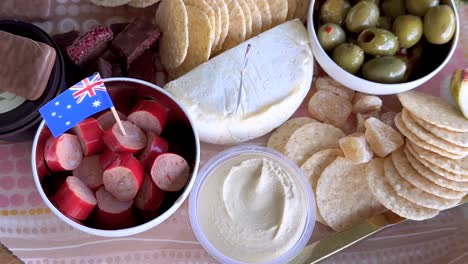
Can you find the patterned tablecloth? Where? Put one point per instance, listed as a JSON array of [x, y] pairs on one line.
[[34, 234]]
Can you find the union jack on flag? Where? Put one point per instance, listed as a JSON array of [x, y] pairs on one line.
[[75, 104], [88, 87]]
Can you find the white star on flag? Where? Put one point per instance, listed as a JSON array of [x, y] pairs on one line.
[[96, 103]]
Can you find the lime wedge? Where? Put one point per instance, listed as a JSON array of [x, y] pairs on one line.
[[459, 89]]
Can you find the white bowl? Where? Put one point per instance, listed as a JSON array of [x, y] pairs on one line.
[[144, 89], [359, 84]]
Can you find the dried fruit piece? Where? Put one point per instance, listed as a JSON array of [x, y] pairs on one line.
[[329, 108], [389, 118], [364, 103], [355, 148], [328, 84], [382, 138]]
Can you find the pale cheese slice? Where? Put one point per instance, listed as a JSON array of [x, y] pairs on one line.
[[277, 79]]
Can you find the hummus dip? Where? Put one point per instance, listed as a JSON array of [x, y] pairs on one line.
[[252, 208]]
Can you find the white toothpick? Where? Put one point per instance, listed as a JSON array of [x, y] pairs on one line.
[[119, 122], [244, 68]]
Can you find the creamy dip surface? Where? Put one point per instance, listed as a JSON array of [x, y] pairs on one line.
[[252, 208]]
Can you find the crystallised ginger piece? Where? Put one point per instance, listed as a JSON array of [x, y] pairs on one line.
[[328, 84], [329, 108], [382, 138], [364, 103], [355, 148]]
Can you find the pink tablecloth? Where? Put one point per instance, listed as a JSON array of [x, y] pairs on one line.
[[34, 234]]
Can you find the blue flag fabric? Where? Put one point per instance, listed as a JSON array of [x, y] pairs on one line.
[[77, 103]]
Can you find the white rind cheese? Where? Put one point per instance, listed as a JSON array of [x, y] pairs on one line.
[[277, 79]]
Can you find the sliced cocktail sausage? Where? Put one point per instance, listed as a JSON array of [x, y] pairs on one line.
[[90, 133], [41, 166], [63, 153], [170, 172], [75, 199], [155, 146], [149, 116], [107, 120], [112, 213], [149, 196], [123, 177], [132, 142], [107, 157], [90, 172]]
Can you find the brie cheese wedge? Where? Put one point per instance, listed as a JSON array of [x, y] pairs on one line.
[[276, 80]]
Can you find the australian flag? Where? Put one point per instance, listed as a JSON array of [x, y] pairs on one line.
[[76, 104]]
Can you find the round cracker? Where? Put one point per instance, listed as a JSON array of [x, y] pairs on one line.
[[457, 138], [436, 169], [417, 141], [434, 110], [172, 19], [413, 194], [200, 38], [218, 23], [302, 9], [206, 8], [247, 17], [237, 28], [280, 136], [279, 11], [256, 17], [109, 3], [406, 171], [343, 197], [311, 138], [429, 137], [291, 9], [142, 3], [314, 166], [459, 166], [385, 194], [224, 11], [434, 177], [265, 12]]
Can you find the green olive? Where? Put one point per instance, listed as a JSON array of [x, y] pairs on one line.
[[361, 16], [349, 57], [378, 42], [393, 8], [384, 23], [377, 2], [409, 30], [420, 7], [330, 36], [334, 11], [412, 58], [386, 69], [439, 24]]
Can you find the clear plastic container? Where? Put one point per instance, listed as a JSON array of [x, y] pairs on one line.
[[234, 152]]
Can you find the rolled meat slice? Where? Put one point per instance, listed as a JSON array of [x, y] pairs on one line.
[[112, 213], [63, 153], [124, 177], [155, 146], [75, 199], [107, 120], [107, 157], [149, 116], [90, 133], [134, 141], [41, 166], [149, 196], [170, 172], [90, 172]]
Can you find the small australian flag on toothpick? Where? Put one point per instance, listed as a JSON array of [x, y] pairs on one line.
[[77, 103]]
